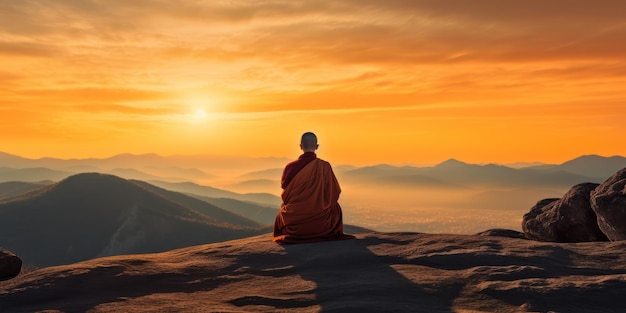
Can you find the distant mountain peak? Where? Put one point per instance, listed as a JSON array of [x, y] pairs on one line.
[[8, 156], [451, 163], [90, 177], [596, 157], [588, 156], [93, 184], [594, 165]]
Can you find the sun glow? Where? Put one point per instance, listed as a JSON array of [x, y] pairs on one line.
[[197, 108], [200, 114]]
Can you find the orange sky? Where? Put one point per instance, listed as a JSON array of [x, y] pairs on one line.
[[379, 81]]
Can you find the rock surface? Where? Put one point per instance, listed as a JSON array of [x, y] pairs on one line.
[[569, 219], [10, 265], [609, 203], [498, 232], [377, 272]]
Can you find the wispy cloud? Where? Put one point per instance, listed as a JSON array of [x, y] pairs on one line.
[[295, 43]]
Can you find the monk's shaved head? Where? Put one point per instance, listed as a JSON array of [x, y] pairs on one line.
[[308, 141]]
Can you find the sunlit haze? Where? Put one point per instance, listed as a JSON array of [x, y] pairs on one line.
[[400, 82]]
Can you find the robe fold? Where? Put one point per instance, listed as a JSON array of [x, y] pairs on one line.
[[310, 211]]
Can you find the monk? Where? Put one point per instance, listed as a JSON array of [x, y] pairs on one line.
[[309, 211]]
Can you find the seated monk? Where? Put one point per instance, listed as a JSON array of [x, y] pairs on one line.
[[309, 211]]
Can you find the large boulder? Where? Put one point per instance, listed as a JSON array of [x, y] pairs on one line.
[[10, 265], [609, 203], [569, 219]]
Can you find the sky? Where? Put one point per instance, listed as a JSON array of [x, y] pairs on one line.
[[394, 81]]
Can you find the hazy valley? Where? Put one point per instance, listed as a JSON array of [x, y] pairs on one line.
[[149, 203]]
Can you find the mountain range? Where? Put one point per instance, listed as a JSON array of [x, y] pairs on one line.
[[163, 167], [262, 179], [589, 165], [453, 173], [91, 215], [36, 189]]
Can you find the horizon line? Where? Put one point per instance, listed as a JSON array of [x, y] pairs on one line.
[[215, 156]]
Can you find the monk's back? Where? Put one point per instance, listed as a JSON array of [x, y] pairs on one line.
[[310, 209]]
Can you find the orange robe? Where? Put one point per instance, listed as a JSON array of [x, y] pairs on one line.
[[310, 211]]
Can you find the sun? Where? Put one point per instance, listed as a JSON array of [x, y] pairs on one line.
[[200, 114], [198, 108]]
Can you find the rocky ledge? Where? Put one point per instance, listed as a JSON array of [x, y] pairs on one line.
[[377, 272]]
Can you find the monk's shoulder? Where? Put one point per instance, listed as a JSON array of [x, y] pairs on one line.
[[324, 163]]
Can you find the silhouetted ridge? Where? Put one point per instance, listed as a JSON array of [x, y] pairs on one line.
[[264, 174], [594, 165], [382, 170], [14, 189], [207, 191], [222, 214], [453, 174], [31, 174]]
